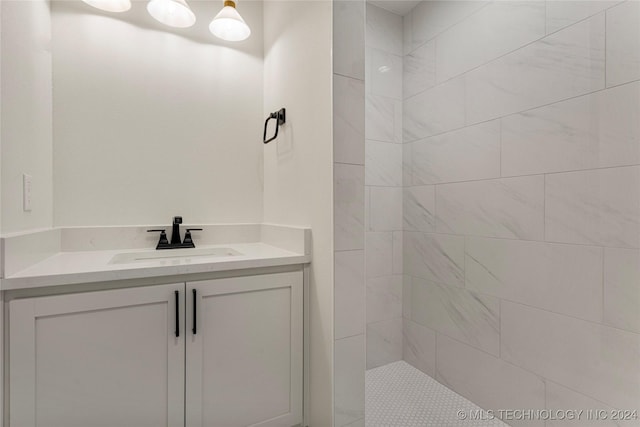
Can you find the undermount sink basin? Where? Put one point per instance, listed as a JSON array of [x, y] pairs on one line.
[[173, 256]]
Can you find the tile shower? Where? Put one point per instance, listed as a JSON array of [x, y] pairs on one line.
[[502, 201]]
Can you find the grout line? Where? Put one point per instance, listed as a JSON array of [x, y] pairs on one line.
[[536, 374], [500, 328], [464, 263], [606, 12], [544, 395], [500, 145], [384, 186], [544, 207], [541, 173], [522, 46], [346, 163], [604, 254], [501, 299], [382, 141], [347, 250], [348, 77], [593, 322], [435, 350], [446, 29], [435, 208], [579, 392], [518, 239], [513, 113], [349, 336]]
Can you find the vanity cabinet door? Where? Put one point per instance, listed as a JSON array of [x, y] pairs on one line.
[[244, 357], [98, 359]]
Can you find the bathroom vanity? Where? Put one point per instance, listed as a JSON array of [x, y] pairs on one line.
[[211, 336]]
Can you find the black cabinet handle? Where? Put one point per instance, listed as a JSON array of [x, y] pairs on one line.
[[177, 314], [194, 311]]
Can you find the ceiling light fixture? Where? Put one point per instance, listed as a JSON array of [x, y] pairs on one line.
[[174, 13], [110, 5], [229, 25]]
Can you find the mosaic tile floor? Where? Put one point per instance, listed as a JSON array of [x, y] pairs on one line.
[[399, 395]]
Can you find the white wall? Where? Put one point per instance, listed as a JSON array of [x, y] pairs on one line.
[[150, 123], [298, 165], [26, 113]]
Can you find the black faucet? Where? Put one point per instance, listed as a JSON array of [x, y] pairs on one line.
[[175, 234], [163, 243]]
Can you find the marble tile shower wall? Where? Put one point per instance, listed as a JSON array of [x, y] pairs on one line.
[[383, 186], [521, 204], [349, 212]]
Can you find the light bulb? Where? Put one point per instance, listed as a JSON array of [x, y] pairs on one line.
[[174, 13], [229, 25], [110, 5]]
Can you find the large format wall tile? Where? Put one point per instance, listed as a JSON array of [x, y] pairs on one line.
[[594, 207], [407, 283], [559, 398], [384, 73], [386, 208], [407, 177], [383, 164], [622, 288], [486, 380], [384, 298], [458, 313], [467, 154], [348, 132], [379, 254], [419, 347], [419, 70], [419, 208], [384, 30], [592, 131], [566, 279], [348, 207], [398, 267], [349, 366], [565, 64], [596, 360], [348, 28], [383, 119], [497, 29], [384, 342], [435, 257], [623, 43], [430, 18], [508, 207], [349, 294], [562, 13], [436, 110]]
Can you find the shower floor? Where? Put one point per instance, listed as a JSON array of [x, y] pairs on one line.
[[399, 395]]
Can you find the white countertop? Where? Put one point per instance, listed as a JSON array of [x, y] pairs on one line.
[[65, 268]]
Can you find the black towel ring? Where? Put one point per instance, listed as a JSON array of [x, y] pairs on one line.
[[280, 115]]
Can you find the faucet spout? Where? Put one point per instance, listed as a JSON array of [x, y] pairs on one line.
[[175, 234]]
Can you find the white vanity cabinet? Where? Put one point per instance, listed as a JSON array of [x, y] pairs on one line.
[[134, 356], [244, 360], [107, 359]]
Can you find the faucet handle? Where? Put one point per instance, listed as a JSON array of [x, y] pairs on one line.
[[163, 236], [187, 236]]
